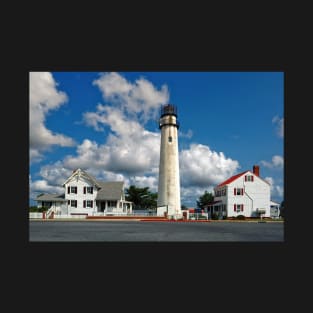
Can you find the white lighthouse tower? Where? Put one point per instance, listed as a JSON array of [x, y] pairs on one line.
[[169, 184]]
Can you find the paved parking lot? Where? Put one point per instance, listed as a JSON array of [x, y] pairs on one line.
[[133, 231]]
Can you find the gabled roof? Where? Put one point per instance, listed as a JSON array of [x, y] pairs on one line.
[[231, 179], [83, 174], [51, 197], [110, 190]]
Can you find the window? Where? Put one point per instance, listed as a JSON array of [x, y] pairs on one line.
[[74, 203], [238, 191], [249, 178], [90, 190], [112, 204], [72, 189], [170, 139], [88, 203], [238, 207]]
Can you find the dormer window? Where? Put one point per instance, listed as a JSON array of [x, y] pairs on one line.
[[249, 178]]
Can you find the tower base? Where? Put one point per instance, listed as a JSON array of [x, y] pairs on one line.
[[162, 211], [175, 217]]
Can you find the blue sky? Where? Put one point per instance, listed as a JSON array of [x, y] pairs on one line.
[[107, 124]]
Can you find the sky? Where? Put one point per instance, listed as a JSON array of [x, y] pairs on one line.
[[107, 124]]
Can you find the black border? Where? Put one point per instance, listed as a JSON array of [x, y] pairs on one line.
[[217, 261]]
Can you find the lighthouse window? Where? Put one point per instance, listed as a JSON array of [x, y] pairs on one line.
[[170, 139]]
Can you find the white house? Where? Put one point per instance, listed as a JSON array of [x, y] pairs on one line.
[[84, 195], [243, 194]]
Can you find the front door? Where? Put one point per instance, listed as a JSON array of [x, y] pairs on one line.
[[102, 206]]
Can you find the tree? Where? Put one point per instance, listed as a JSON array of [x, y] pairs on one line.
[[142, 198], [183, 207], [203, 200]]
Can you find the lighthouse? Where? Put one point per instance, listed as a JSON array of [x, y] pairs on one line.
[[169, 184]]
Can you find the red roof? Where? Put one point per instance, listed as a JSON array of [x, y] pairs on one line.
[[229, 180]]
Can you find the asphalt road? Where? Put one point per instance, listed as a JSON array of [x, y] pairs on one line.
[[134, 231]]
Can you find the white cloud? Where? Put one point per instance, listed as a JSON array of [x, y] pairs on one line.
[[279, 123], [202, 167], [131, 153], [140, 99], [43, 186], [55, 174], [277, 191], [44, 97], [189, 195], [277, 162], [145, 181], [188, 135]]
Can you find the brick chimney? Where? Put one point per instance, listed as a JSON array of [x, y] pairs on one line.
[[256, 170]]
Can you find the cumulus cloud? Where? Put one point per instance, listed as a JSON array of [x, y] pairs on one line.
[[276, 190], [141, 99], [202, 167], [131, 152], [277, 162], [43, 98], [145, 181], [130, 148], [279, 124], [189, 195], [43, 186], [138, 155], [188, 135]]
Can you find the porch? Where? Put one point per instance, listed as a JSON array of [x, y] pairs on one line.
[[216, 209], [113, 207]]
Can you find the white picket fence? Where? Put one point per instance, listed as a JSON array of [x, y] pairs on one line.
[[33, 215], [39, 215]]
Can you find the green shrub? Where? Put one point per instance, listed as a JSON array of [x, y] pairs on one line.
[[214, 216], [240, 217], [36, 209]]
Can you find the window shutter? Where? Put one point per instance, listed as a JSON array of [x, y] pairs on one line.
[[91, 190], [234, 191], [76, 190], [242, 191], [252, 178], [235, 207], [242, 207], [246, 178], [84, 203], [68, 189], [84, 190], [68, 202]]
